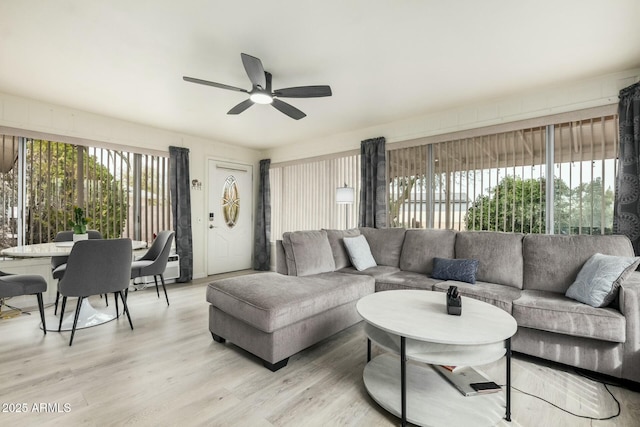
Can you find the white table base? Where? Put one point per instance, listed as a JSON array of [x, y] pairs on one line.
[[89, 316]]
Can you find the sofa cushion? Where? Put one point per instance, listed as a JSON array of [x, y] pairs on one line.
[[552, 262], [308, 253], [340, 255], [553, 312], [599, 279], [421, 246], [499, 255], [405, 280], [462, 270], [498, 295], [375, 272], [359, 252], [270, 301], [385, 244]]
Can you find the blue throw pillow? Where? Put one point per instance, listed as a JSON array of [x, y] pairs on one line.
[[462, 270]]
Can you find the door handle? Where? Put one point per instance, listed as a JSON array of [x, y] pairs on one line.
[[212, 226]]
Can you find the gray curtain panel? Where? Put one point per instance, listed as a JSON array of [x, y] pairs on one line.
[[626, 216], [262, 245], [180, 187], [373, 196]]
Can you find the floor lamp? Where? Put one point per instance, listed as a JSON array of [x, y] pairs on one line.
[[344, 196]]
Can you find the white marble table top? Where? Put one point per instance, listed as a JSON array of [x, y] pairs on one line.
[[422, 315], [42, 250]]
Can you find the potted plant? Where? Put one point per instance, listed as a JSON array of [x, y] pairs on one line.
[[79, 225]]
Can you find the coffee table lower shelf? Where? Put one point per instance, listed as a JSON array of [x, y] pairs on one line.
[[431, 400]]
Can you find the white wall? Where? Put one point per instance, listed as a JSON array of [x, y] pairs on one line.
[[33, 115], [553, 100]]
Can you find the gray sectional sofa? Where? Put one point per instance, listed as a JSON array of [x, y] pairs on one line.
[[525, 275]]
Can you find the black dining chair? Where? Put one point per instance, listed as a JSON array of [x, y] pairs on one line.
[[58, 262], [13, 285], [154, 262], [96, 267]]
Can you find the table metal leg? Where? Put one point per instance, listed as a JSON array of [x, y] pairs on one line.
[[508, 391], [368, 350], [403, 379]]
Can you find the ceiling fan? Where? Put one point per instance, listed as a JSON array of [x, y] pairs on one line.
[[261, 92]]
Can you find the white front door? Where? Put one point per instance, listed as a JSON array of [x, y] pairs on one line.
[[229, 224]]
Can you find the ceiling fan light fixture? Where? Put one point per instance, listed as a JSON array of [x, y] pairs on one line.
[[261, 98]]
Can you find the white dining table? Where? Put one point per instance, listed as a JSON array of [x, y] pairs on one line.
[[89, 316], [46, 250]]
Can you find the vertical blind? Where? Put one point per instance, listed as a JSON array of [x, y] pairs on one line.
[[498, 181], [303, 196]]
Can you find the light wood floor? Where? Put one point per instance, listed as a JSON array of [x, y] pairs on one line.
[[168, 371]]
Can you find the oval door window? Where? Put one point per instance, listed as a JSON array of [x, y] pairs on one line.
[[230, 201]]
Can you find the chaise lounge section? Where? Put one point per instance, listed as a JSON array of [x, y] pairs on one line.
[[274, 316]]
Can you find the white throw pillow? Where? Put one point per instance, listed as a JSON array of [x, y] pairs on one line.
[[599, 279], [359, 252]]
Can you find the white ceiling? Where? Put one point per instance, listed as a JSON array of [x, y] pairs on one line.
[[385, 60]]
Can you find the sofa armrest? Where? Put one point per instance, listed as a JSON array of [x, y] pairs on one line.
[[630, 295], [630, 308]]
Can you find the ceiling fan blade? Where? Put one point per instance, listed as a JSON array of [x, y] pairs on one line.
[[241, 107], [288, 109], [254, 69], [267, 76], [214, 84], [304, 92]]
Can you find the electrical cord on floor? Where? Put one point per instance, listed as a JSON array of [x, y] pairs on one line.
[[605, 384]]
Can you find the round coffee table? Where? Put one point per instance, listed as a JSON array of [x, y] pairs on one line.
[[415, 325]]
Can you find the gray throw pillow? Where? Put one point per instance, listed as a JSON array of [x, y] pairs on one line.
[[359, 252], [340, 255], [461, 270], [307, 253], [599, 279]]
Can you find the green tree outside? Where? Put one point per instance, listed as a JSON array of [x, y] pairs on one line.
[[590, 209], [518, 205]]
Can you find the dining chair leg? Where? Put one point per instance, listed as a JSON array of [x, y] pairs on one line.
[[64, 304], [164, 288], [55, 310], [155, 279], [41, 308], [106, 299], [115, 297], [126, 309], [75, 320]]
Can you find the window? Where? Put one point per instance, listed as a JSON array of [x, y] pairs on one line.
[[493, 182], [123, 194], [303, 196], [585, 165], [499, 182]]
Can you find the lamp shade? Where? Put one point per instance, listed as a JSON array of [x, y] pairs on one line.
[[344, 195]]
